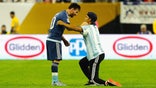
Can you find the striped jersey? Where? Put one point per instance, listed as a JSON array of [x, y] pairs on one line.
[[56, 31], [92, 41]]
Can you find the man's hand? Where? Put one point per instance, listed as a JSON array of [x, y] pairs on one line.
[[66, 43]]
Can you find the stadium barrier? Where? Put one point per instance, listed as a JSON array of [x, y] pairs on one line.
[[32, 47]]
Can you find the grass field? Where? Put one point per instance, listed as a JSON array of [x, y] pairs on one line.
[[36, 73]]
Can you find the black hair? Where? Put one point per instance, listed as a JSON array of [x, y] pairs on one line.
[[75, 6], [3, 25], [12, 12], [92, 16]]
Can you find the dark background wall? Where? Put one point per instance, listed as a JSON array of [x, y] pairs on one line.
[[115, 27]]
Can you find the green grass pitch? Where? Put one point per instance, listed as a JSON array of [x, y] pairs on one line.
[[36, 73]]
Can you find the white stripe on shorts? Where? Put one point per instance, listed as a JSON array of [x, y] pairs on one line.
[[58, 51]]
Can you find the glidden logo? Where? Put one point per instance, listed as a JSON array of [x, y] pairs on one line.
[[24, 47], [132, 46]]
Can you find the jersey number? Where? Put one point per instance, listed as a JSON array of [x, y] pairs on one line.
[[52, 23]]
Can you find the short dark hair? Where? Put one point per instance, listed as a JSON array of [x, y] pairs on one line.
[[75, 6], [92, 16], [12, 12], [3, 25]]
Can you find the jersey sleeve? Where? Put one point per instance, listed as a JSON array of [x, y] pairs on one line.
[[85, 30], [62, 16], [66, 20]]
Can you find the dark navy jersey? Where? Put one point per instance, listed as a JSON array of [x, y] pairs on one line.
[[56, 31]]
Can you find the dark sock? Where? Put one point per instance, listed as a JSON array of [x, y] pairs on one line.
[[54, 67]]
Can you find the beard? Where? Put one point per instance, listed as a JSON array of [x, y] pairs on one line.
[[71, 15]]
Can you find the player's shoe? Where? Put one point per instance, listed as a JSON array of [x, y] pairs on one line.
[[93, 84], [111, 82], [58, 84], [90, 84]]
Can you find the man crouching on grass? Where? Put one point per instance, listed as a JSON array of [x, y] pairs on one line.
[[95, 54]]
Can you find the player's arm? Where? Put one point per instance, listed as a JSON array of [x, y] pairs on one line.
[[12, 30], [66, 43], [70, 27], [84, 23]]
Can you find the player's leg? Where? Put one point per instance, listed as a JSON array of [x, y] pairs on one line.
[[84, 65], [54, 54], [54, 70], [94, 65]]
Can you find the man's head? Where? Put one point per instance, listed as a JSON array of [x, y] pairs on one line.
[[3, 28], [143, 28], [73, 9], [91, 18], [12, 14]]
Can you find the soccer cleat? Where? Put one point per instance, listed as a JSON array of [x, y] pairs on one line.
[[93, 84], [58, 84], [90, 84], [111, 82]]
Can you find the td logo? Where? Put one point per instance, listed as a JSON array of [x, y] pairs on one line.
[[77, 47]]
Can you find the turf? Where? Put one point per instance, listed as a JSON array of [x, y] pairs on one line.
[[36, 73]]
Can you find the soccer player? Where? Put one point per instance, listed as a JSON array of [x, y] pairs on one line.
[[95, 54], [53, 42]]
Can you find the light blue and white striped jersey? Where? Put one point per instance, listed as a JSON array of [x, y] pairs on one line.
[[92, 41]]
